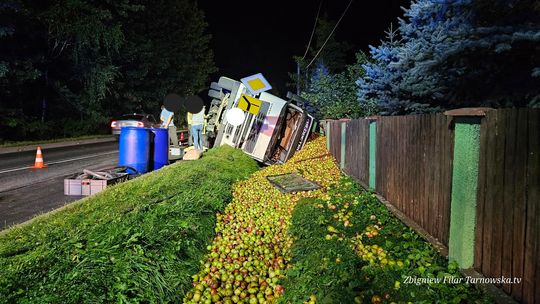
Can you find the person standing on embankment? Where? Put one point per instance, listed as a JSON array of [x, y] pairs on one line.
[[197, 124], [167, 118]]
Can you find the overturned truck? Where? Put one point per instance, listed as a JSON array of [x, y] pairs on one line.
[[272, 136]]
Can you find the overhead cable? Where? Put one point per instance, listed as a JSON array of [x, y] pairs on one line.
[[313, 31], [328, 38]]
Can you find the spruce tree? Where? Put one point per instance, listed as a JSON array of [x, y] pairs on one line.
[[457, 53]]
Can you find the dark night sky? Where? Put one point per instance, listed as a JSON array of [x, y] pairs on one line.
[[251, 36]]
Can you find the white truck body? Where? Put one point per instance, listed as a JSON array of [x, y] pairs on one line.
[[272, 136]]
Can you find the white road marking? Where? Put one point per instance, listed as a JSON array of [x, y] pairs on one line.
[[60, 161]]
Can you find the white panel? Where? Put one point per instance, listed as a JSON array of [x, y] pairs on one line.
[[276, 106]]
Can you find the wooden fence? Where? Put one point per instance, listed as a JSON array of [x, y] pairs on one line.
[[508, 211], [414, 165], [414, 169], [335, 140], [357, 150]]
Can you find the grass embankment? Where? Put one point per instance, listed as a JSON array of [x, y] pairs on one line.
[[348, 248], [136, 242]]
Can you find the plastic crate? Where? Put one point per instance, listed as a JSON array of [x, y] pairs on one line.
[[85, 187]]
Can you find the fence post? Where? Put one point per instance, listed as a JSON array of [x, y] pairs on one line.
[[343, 144], [372, 151], [328, 135], [464, 184]]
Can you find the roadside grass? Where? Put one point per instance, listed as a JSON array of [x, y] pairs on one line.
[[8, 144], [348, 248], [137, 242]]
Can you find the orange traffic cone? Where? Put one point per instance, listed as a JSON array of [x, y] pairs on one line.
[[39, 160]]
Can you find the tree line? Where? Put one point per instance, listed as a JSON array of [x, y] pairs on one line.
[[441, 55], [68, 66]]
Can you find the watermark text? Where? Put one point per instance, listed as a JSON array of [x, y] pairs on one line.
[[460, 280]]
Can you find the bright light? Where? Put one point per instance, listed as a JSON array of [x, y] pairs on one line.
[[235, 116]]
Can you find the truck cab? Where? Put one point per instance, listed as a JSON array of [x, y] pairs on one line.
[[273, 135]]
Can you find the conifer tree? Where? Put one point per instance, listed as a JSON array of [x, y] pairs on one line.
[[457, 53]]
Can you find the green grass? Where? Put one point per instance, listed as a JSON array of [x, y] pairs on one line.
[[7, 144], [137, 242], [326, 265]]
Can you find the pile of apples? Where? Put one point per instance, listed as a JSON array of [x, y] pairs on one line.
[[374, 254], [251, 249]]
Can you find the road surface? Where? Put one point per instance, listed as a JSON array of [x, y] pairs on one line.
[[26, 192]]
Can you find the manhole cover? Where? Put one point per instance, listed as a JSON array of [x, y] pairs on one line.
[[291, 182]]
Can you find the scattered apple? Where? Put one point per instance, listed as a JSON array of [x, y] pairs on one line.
[[251, 248]]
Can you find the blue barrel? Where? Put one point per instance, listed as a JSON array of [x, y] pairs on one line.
[[161, 147], [134, 148]]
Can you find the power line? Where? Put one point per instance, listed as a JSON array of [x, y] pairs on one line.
[[328, 38], [313, 31], [307, 49]]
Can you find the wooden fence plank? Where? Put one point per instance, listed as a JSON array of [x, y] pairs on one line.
[[404, 132], [480, 198], [491, 125], [348, 145], [409, 182], [429, 144], [423, 169], [508, 195], [520, 183], [382, 173], [438, 168], [423, 173], [498, 186], [445, 182], [442, 181], [534, 191], [352, 160], [416, 195], [390, 166], [433, 188], [449, 165], [405, 180], [531, 275]]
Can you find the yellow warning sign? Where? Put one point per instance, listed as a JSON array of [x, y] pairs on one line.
[[249, 104]]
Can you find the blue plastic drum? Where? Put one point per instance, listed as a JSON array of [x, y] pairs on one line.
[[161, 147], [134, 148]]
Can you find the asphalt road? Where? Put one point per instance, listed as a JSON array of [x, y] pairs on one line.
[[26, 192]]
